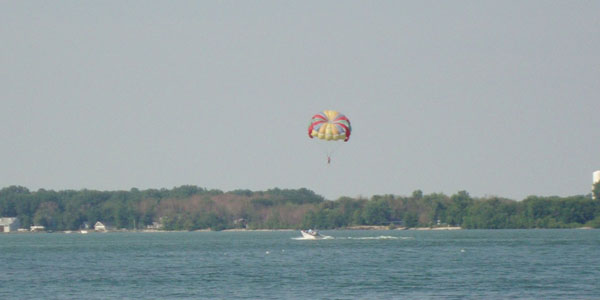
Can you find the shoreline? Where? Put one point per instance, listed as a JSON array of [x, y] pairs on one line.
[[357, 228]]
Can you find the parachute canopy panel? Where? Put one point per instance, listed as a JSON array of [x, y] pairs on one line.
[[330, 125]]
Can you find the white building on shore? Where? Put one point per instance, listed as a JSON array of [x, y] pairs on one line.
[[9, 224], [37, 228], [103, 226]]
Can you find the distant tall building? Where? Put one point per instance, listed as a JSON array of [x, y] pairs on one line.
[[595, 179]]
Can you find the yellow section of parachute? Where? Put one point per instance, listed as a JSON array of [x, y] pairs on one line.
[[331, 114], [328, 132]]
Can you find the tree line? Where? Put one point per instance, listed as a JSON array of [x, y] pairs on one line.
[[191, 208]]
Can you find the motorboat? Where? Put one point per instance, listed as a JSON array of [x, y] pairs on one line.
[[311, 234]]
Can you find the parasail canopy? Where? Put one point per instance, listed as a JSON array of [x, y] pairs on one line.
[[330, 125]]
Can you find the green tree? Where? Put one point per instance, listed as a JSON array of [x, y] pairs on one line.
[[274, 221], [458, 208], [376, 212], [47, 215], [411, 219], [489, 214], [417, 194]]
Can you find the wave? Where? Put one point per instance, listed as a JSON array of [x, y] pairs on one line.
[[381, 237]]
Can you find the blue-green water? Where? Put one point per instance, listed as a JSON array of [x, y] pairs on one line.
[[466, 264]]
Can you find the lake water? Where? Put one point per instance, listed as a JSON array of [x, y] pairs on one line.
[[463, 264]]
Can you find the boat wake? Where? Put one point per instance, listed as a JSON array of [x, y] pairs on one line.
[[381, 237]]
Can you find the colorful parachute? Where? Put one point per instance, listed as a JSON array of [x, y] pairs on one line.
[[330, 125]]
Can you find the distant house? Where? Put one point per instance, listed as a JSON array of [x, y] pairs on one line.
[[155, 226], [103, 226], [38, 228], [240, 223], [85, 226], [9, 224]]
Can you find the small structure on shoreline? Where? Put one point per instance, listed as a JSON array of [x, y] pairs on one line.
[[103, 226], [240, 223], [9, 224], [37, 228], [155, 226]]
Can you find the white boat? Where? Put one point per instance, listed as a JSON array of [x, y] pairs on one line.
[[311, 234]]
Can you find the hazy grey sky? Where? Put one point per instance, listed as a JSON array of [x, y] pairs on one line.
[[492, 97]]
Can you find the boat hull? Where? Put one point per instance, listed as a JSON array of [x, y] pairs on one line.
[[311, 236]]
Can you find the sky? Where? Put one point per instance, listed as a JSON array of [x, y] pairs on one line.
[[498, 98]]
